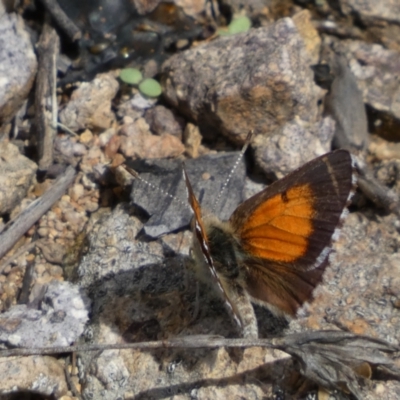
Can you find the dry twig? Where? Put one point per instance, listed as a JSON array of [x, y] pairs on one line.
[[45, 99], [20, 224], [62, 19], [329, 358]]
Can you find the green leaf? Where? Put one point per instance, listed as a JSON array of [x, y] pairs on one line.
[[239, 24], [130, 75], [150, 87]]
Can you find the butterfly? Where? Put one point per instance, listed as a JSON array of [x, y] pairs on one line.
[[274, 248]]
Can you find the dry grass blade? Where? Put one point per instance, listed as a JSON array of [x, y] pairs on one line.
[[332, 359]]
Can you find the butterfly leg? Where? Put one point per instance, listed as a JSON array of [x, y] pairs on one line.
[[241, 299]]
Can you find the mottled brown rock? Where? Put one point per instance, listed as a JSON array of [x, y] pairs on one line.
[[16, 176], [90, 104], [256, 80], [36, 374], [18, 66], [138, 142]]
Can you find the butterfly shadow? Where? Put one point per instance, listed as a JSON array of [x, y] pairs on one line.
[[157, 301]]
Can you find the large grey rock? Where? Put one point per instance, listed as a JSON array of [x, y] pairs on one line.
[[256, 80], [60, 320], [18, 66]]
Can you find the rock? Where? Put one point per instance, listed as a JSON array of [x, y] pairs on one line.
[[372, 11], [138, 142], [68, 147], [193, 8], [309, 34], [59, 322], [177, 243], [192, 139], [361, 285], [256, 80], [379, 21], [18, 66], [122, 252], [345, 104], [375, 69], [36, 375], [207, 175], [52, 252], [251, 6], [162, 121], [383, 150], [90, 104], [301, 141], [17, 174]]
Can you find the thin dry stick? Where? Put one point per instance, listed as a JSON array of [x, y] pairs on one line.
[[23, 249], [45, 94], [65, 128], [328, 337], [317, 353], [194, 342], [19, 225], [62, 19]]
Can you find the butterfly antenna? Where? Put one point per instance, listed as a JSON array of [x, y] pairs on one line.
[[224, 186], [156, 188]]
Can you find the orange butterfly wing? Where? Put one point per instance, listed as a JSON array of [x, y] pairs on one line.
[[286, 230]]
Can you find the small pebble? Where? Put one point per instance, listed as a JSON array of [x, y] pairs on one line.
[[76, 192], [86, 136], [40, 269], [43, 232]]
